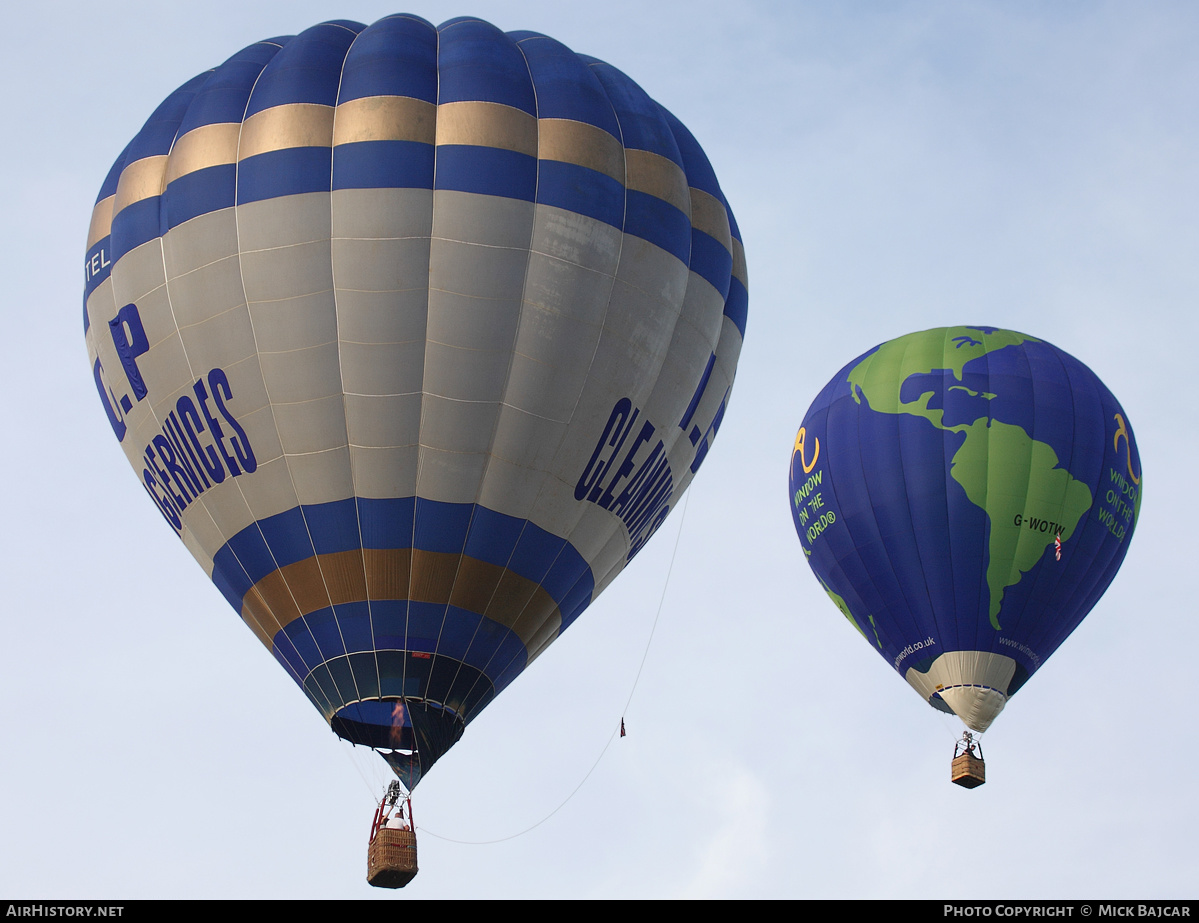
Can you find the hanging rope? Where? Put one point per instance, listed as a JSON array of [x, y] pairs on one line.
[[513, 836], [661, 600], [616, 731]]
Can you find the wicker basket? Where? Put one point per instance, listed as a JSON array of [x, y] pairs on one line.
[[391, 859], [968, 771]]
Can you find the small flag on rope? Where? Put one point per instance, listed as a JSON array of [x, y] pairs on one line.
[[1057, 546], [622, 727]]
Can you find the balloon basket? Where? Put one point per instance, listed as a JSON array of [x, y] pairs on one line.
[[968, 771], [391, 858]]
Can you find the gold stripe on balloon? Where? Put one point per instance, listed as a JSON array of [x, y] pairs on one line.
[[385, 118], [658, 176], [315, 583], [487, 125], [740, 272], [206, 146], [582, 144], [709, 215], [287, 126], [101, 225], [142, 179]]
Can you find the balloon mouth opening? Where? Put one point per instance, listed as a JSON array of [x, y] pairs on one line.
[[970, 684], [977, 706], [388, 724]]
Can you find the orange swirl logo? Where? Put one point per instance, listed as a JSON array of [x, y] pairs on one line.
[[801, 451], [1121, 430]]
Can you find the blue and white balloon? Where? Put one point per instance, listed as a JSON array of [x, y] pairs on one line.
[[414, 336]]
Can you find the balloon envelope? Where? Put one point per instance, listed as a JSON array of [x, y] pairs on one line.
[[965, 495], [414, 336]]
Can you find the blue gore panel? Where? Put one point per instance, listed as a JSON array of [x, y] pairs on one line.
[[424, 621], [393, 627], [387, 523], [441, 527], [480, 641], [493, 536], [534, 556], [642, 124], [325, 633], [487, 171], [578, 597], [383, 165], [333, 526], [285, 652], [230, 577], [354, 625], [457, 628], [570, 583], [135, 225], [245, 559], [113, 177], [581, 190], [306, 70], [492, 648], [503, 674], [284, 540], [291, 171], [658, 222], [566, 87], [158, 134], [396, 56], [711, 260], [224, 95], [307, 652], [476, 61], [700, 174], [199, 193]]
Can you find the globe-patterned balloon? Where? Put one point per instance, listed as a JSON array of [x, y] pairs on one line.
[[965, 495]]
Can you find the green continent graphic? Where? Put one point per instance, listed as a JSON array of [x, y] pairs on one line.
[[841, 604], [1012, 477], [881, 374], [1007, 473]]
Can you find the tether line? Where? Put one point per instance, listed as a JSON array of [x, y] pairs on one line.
[[612, 736]]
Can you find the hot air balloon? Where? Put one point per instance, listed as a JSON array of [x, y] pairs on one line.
[[965, 495], [414, 336]]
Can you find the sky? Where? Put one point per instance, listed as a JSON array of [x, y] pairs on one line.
[[893, 167]]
